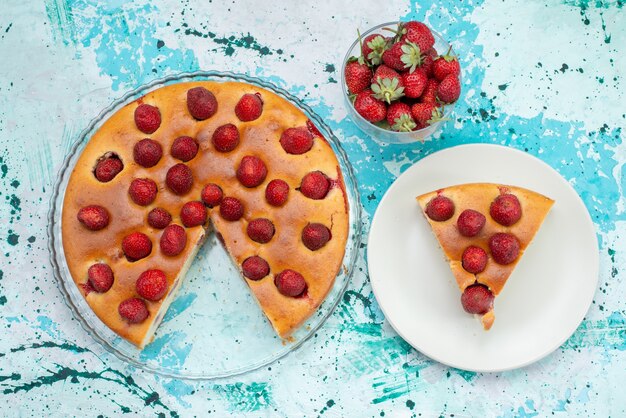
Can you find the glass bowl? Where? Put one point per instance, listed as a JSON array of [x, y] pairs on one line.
[[376, 132], [214, 328]]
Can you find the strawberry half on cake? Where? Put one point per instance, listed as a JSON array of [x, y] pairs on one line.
[[483, 229], [163, 168]]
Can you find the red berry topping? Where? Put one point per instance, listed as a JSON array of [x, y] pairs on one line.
[[142, 191], [226, 138], [477, 299], [251, 171], [193, 214], [474, 259], [315, 185], [173, 240], [159, 218], [470, 222], [276, 192], [201, 103], [100, 277], [296, 140], [136, 246], [440, 208], [147, 118], [506, 209], [249, 107], [290, 283], [93, 217], [179, 179], [147, 152], [231, 209], [151, 285], [449, 89], [255, 268], [212, 195], [315, 236], [184, 148], [313, 129], [108, 168], [504, 248], [133, 310], [261, 230]]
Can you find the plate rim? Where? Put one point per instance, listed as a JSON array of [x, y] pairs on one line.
[[591, 229], [53, 216]]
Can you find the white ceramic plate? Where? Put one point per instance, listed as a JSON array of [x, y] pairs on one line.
[[544, 300]]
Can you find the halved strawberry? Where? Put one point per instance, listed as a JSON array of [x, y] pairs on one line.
[[399, 117]]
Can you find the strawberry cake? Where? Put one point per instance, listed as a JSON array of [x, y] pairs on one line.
[[164, 169], [483, 229]]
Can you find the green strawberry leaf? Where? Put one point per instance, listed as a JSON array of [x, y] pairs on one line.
[[412, 56], [404, 123]]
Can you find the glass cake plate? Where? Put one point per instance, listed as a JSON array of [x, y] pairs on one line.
[[214, 328]]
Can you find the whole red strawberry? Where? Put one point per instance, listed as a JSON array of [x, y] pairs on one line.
[[402, 56], [387, 84], [399, 117], [414, 83], [358, 76], [418, 33], [427, 62], [449, 89], [445, 65], [425, 114], [373, 48], [372, 109], [429, 95]]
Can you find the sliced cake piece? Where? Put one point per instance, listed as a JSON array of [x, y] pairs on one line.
[[483, 229]]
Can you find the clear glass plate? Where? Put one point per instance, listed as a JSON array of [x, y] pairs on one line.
[[214, 328]]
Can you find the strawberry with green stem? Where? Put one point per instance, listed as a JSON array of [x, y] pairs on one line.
[[387, 84], [426, 114], [445, 65], [399, 117], [373, 47], [357, 73], [372, 109], [403, 56]]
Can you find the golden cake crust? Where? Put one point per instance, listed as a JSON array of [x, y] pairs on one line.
[[259, 138], [479, 196]]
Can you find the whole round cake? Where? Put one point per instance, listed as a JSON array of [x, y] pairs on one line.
[[166, 167]]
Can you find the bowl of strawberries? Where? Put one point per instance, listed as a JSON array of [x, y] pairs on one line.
[[401, 81]]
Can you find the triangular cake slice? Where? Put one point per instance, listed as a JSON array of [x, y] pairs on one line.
[[483, 229]]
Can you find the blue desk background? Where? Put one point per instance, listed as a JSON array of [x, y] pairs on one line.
[[543, 77]]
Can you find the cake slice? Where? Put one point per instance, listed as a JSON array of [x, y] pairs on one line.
[[483, 229]]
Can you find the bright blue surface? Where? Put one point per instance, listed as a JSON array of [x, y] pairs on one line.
[[545, 78]]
